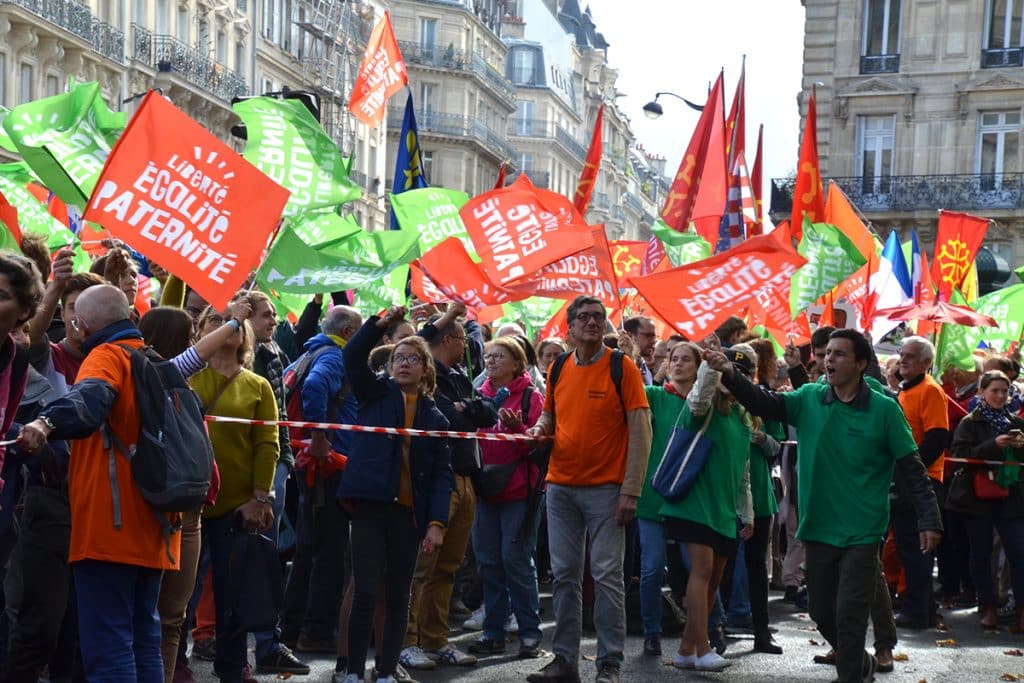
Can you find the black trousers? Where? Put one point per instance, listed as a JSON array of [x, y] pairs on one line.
[[841, 586], [918, 602], [385, 545], [755, 554], [39, 582]]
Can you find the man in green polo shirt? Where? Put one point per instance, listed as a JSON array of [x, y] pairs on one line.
[[850, 440]]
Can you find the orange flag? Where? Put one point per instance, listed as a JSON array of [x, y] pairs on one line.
[[589, 174], [455, 278], [682, 194], [628, 258], [9, 218], [381, 75], [756, 175], [807, 193], [186, 200], [840, 213], [957, 240]]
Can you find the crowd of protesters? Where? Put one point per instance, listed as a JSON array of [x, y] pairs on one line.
[[831, 478]]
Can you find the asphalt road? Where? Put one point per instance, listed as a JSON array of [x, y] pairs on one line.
[[970, 655]]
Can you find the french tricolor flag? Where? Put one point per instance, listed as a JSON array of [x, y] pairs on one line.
[[892, 284]]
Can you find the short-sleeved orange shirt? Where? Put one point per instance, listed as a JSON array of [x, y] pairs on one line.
[[924, 406], [590, 428], [140, 540]]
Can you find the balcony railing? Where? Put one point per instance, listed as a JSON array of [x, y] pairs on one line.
[[633, 202], [1004, 57], [879, 64], [918, 192], [618, 213], [456, 125], [599, 200], [540, 128], [458, 60], [166, 53], [77, 19], [358, 177]]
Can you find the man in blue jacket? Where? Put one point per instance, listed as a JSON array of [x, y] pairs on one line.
[[316, 583]]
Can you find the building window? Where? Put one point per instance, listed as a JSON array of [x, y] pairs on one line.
[[163, 12], [1004, 34], [428, 102], [427, 166], [182, 24], [3, 77], [139, 13], [428, 37], [222, 47], [240, 57], [998, 147], [524, 117], [875, 145], [524, 67], [880, 52], [52, 85], [267, 26], [25, 85]]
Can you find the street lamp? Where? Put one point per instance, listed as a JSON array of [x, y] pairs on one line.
[[653, 109]]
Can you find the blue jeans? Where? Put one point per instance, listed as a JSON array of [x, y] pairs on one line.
[[267, 642], [506, 568], [652, 574], [739, 591], [119, 626], [218, 541]]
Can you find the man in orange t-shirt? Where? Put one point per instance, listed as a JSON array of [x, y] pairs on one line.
[[118, 548], [596, 473], [924, 404]]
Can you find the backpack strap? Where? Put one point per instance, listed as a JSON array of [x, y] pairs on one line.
[[525, 406], [553, 372], [616, 363], [616, 368]]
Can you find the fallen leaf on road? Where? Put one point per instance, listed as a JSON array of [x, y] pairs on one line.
[[284, 676], [941, 626], [1014, 653], [901, 657], [588, 658], [1011, 677], [812, 641], [807, 628], [946, 643]]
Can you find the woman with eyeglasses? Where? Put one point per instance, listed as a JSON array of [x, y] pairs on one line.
[[397, 488]]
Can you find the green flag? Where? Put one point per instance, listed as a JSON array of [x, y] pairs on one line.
[[535, 312], [294, 266], [434, 213], [287, 143], [387, 291], [323, 228], [66, 139], [683, 248], [831, 258], [32, 215], [957, 342], [1020, 273], [287, 303]]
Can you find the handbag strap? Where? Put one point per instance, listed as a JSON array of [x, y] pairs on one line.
[[220, 392]]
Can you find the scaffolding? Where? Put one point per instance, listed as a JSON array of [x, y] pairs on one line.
[[333, 39]]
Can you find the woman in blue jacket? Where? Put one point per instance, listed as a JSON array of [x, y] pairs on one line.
[[397, 488]]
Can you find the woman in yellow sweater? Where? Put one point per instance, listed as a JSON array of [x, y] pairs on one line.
[[246, 457]]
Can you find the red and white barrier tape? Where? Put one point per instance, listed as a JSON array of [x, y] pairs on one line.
[[977, 461], [394, 431]]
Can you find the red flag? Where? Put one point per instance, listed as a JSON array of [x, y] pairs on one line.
[[517, 230], [713, 181], [186, 200], [456, 278], [587, 272], [9, 217], [756, 175], [735, 124], [628, 258], [957, 240], [501, 176], [682, 194], [807, 193], [558, 326], [654, 256], [696, 298], [381, 75], [589, 174]]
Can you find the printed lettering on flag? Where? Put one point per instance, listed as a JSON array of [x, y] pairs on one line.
[[587, 272], [696, 298], [456, 277], [186, 200], [381, 75]]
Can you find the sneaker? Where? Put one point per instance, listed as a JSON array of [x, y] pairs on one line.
[[487, 646], [457, 610], [684, 661], [205, 649], [558, 670], [652, 645], [449, 655], [316, 646], [529, 648], [608, 673], [342, 677], [402, 676], [511, 624], [475, 622], [282, 662], [415, 658], [712, 661]]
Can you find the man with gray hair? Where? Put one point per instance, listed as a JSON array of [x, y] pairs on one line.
[[316, 584], [924, 405]]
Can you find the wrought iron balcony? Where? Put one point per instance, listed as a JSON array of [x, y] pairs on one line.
[[1003, 57], [879, 64], [358, 177], [168, 54], [599, 200], [455, 59], [456, 125], [78, 20], [633, 202], [549, 130], [918, 192]]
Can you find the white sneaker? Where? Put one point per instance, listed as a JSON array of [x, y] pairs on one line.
[[511, 625], [341, 677], [684, 661], [450, 655], [712, 661], [415, 658], [476, 621]]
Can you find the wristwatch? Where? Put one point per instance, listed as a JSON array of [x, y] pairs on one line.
[[47, 422], [261, 499]]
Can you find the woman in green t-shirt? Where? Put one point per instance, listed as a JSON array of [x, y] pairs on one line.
[[666, 403], [705, 519]]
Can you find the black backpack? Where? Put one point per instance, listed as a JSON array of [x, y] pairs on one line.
[[172, 459], [556, 370]]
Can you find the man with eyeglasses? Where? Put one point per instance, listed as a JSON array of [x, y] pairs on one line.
[[451, 342], [595, 475]]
